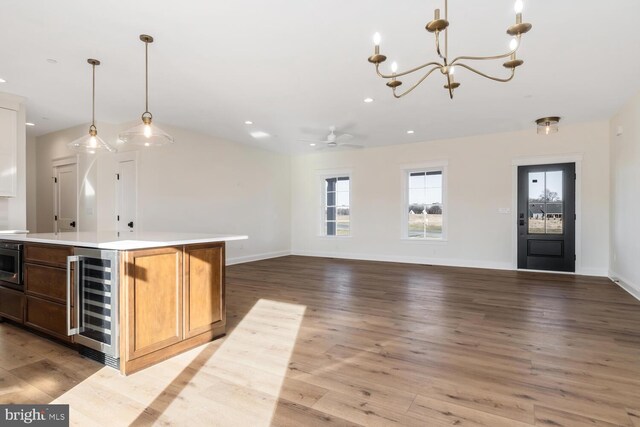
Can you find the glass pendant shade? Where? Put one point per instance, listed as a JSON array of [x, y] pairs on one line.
[[145, 135], [90, 144]]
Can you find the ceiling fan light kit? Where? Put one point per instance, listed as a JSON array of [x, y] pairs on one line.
[[333, 140], [447, 66]]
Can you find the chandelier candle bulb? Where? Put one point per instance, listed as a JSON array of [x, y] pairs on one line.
[[519, 6], [513, 45]]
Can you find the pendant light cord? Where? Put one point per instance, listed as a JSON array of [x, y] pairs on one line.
[[146, 77], [93, 107]]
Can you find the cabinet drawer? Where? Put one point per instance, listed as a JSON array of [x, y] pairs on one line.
[[12, 304], [46, 282], [48, 317], [47, 254]]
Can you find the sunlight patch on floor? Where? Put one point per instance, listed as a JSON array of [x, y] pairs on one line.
[[231, 382]]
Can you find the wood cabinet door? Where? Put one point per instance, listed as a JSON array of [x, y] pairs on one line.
[[204, 304], [152, 301]]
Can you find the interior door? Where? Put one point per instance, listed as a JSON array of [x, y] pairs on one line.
[[66, 197], [546, 217], [126, 196]]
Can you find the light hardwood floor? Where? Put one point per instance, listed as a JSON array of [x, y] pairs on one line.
[[316, 341]]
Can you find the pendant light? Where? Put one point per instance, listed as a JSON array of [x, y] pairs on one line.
[[91, 143], [146, 134]]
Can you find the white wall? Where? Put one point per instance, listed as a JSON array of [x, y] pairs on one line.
[[200, 184], [480, 180], [32, 177], [625, 197], [13, 210]]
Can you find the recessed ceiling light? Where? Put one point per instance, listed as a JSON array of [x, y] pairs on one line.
[[52, 61], [30, 124], [259, 134], [368, 100], [248, 122], [313, 144], [2, 80], [410, 132]]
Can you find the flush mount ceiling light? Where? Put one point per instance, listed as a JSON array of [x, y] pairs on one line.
[[90, 143], [145, 134], [368, 100], [30, 124], [2, 80], [248, 122], [448, 67], [548, 125]]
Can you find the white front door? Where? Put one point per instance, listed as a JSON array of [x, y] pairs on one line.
[[66, 197], [126, 196]]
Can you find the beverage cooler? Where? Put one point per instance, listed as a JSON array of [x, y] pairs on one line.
[[95, 275]]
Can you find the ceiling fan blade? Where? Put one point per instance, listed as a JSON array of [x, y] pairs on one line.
[[316, 141], [351, 145], [344, 137]]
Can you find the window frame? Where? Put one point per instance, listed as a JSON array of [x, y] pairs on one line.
[[406, 171], [322, 225]]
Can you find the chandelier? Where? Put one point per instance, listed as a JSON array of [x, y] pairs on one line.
[[446, 66]]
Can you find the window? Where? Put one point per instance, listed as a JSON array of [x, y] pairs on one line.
[[424, 207], [336, 206]]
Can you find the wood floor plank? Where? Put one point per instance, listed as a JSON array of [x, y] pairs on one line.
[[552, 417]]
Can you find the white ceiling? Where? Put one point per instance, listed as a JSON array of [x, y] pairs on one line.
[[295, 66]]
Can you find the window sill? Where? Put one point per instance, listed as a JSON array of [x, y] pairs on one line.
[[323, 237], [427, 240]]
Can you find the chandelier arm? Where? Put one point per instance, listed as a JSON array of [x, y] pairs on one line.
[[391, 76], [416, 85], [438, 47], [513, 72], [487, 58]]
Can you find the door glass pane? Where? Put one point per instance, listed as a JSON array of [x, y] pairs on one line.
[[546, 207]]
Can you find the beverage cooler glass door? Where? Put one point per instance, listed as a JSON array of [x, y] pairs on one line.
[[96, 299]]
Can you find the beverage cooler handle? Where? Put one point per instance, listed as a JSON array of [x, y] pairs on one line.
[[71, 260]]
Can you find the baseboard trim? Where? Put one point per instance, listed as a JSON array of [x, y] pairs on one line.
[[627, 285], [410, 260], [445, 262], [257, 257]]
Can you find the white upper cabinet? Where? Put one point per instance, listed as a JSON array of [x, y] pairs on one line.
[[8, 152]]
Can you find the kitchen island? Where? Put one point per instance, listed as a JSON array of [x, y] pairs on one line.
[[128, 301]]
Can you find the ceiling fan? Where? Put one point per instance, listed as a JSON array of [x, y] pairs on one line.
[[333, 140]]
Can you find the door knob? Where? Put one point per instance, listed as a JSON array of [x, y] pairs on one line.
[[130, 225], [72, 224]]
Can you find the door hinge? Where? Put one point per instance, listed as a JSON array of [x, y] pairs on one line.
[[55, 180], [575, 217], [118, 176], [55, 217], [575, 257], [575, 176], [118, 217]]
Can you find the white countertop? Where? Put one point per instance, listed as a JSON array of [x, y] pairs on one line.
[[123, 242]]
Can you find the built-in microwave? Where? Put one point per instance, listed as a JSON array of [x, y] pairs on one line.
[[11, 265]]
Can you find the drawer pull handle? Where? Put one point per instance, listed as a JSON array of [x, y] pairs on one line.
[[70, 261]]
